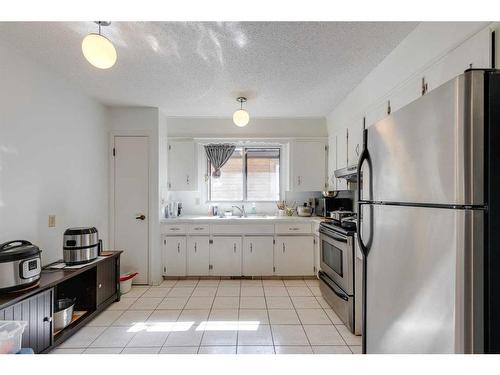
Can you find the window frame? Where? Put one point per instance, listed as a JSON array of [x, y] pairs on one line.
[[245, 175]]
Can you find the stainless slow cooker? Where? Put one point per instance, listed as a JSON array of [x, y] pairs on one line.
[[20, 265], [81, 245]]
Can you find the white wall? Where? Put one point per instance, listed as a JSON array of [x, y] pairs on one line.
[[435, 51], [261, 128], [53, 156], [257, 127], [148, 121]]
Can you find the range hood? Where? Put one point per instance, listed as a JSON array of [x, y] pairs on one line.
[[349, 173]]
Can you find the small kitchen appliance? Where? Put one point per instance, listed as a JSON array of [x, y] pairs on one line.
[[20, 265], [336, 204], [81, 245], [338, 215], [304, 210]]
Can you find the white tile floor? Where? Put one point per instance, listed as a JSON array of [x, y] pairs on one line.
[[217, 317]]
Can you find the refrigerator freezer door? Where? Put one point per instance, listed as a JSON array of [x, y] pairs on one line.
[[416, 297], [431, 151]]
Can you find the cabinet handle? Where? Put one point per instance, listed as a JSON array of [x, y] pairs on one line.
[[283, 247], [234, 247], [299, 180], [251, 247], [198, 228], [47, 319], [178, 247], [174, 229], [195, 247], [294, 228], [100, 286], [187, 179]]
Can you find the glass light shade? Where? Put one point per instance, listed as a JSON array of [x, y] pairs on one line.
[[241, 118], [99, 51]]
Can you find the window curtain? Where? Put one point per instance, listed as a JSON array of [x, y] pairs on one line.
[[219, 154]]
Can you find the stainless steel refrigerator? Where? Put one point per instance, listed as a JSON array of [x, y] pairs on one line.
[[429, 222]]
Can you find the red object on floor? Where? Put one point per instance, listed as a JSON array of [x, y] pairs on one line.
[[129, 276]]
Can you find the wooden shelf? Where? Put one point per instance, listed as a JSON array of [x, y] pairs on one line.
[[76, 316]]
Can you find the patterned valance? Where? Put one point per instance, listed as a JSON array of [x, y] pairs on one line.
[[219, 154]]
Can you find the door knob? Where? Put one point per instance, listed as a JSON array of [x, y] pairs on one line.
[[140, 217]]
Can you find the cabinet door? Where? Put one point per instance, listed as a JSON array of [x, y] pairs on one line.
[[225, 256], [106, 280], [174, 256], [293, 256], [198, 255], [37, 311], [182, 165], [308, 166], [257, 256], [355, 144], [317, 255]]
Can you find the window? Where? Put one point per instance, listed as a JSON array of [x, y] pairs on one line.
[[251, 174]]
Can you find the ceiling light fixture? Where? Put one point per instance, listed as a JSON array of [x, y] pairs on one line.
[[241, 117], [98, 50]]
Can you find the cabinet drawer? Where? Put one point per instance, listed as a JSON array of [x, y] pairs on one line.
[[198, 229], [257, 229], [174, 229], [293, 228]]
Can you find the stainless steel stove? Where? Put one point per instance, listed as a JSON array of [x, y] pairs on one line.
[[341, 274]]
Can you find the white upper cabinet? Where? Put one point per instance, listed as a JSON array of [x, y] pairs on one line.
[[308, 165], [182, 165], [355, 141]]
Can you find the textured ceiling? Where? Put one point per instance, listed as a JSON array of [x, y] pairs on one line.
[[285, 69]]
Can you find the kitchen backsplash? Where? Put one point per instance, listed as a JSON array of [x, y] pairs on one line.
[[193, 204]]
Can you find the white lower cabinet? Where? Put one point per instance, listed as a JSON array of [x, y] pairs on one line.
[[294, 256], [225, 256], [198, 255], [174, 256], [257, 256]]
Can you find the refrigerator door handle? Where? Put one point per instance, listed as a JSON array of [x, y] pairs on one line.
[[365, 156]]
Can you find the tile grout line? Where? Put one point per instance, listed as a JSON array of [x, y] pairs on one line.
[[208, 317]]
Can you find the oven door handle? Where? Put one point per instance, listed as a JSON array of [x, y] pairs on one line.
[[330, 234], [335, 289]]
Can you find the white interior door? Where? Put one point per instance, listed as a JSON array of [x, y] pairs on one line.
[[131, 197]]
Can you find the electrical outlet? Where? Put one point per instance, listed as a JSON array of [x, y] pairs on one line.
[[197, 201], [52, 221]]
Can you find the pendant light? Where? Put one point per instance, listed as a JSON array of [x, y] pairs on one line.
[[241, 117], [98, 50]]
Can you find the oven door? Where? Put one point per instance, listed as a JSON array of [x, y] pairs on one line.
[[337, 258]]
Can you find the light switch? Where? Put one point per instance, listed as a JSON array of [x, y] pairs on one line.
[[52, 221]]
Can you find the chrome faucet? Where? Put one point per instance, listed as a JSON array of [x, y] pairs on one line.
[[241, 209]]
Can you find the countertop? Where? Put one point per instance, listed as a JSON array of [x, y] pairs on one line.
[[271, 219]]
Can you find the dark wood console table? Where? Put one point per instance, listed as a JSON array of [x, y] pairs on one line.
[[94, 286]]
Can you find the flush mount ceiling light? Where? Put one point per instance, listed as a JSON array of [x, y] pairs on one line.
[[98, 50], [241, 117]]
